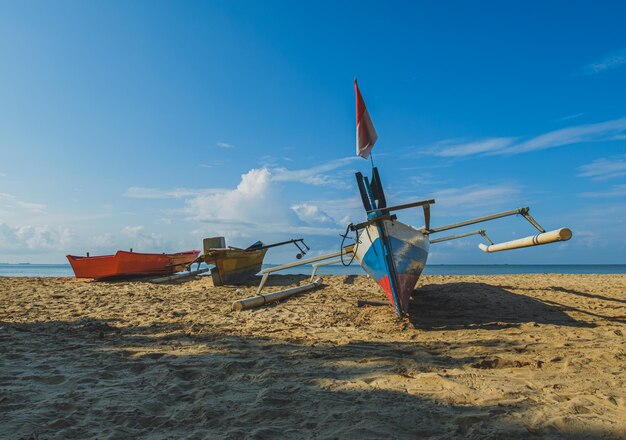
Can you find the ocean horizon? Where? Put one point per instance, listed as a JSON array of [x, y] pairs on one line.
[[65, 270]]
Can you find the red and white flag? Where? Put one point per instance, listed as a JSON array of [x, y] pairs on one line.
[[365, 133]]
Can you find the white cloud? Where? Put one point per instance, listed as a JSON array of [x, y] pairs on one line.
[[311, 214], [132, 231], [615, 191], [256, 206], [224, 145], [476, 197], [608, 62], [102, 241], [33, 237], [143, 241], [470, 148], [570, 117], [342, 211], [250, 202], [314, 175], [139, 192], [12, 201], [604, 168], [426, 178], [599, 132]]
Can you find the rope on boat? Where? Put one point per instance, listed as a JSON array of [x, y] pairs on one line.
[[356, 244]]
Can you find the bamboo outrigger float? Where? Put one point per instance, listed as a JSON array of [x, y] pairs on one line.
[[391, 252]]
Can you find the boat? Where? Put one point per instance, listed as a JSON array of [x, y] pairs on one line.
[[393, 253], [235, 265], [126, 264], [389, 250]]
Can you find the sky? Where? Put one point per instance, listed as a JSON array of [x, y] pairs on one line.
[[151, 125]]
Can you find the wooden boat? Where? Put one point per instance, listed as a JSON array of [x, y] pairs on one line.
[[408, 251], [235, 265], [130, 264], [393, 253], [232, 265]]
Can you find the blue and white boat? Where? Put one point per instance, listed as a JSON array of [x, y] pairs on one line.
[[394, 254], [397, 264], [391, 252]]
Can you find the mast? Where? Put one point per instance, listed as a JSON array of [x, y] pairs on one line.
[[374, 202]]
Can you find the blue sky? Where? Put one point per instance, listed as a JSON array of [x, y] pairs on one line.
[[154, 124]]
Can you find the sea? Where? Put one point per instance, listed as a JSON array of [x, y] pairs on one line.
[[65, 270]]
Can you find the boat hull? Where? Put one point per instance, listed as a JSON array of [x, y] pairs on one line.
[[408, 254], [130, 264], [234, 266]]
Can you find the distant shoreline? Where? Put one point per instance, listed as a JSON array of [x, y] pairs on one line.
[[429, 265], [65, 270]]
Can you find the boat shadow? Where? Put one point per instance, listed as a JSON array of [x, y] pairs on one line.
[[125, 380], [456, 306], [586, 294]]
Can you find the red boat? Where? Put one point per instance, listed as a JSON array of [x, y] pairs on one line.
[[130, 264]]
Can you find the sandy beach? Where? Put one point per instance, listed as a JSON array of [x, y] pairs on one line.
[[511, 356]]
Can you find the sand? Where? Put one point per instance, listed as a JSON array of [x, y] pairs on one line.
[[515, 356]]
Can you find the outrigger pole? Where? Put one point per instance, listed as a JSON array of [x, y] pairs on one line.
[[467, 234], [266, 272], [562, 234], [523, 211], [282, 243]]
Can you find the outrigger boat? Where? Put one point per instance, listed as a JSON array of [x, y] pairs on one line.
[[391, 252], [235, 265], [394, 254]]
